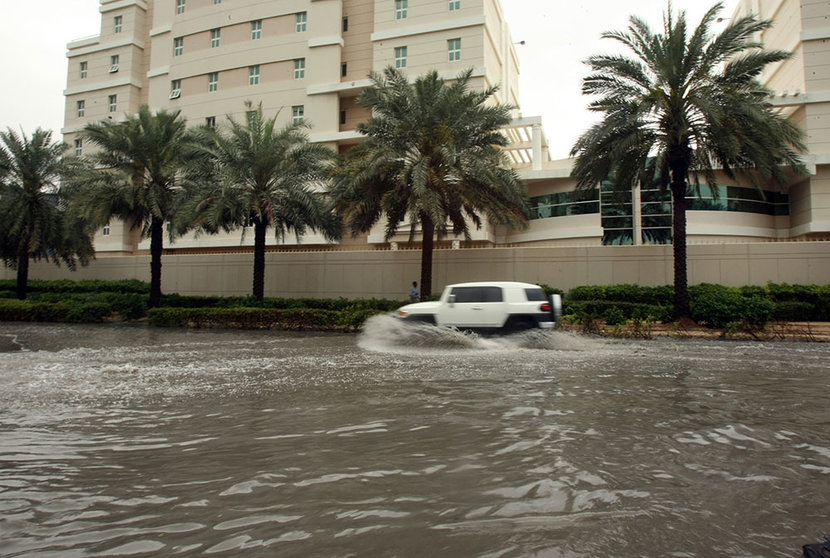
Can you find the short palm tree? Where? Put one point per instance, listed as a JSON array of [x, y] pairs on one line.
[[137, 166], [432, 158], [35, 220], [686, 103], [256, 174]]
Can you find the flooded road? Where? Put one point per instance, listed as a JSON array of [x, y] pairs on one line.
[[131, 441]]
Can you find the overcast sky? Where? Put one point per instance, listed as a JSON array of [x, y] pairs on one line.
[[559, 35]]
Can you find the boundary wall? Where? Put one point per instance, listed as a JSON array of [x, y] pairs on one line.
[[388, 274]]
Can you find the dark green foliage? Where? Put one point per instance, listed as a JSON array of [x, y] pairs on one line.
[[817, 295], [86, 286], [793, 311], [658, 296], [718, 306], [292, 319], [13, 310], [615, 309], [614, 316], [336, 304]]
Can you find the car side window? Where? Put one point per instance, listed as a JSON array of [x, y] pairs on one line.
[[534, 295], [477, 294]]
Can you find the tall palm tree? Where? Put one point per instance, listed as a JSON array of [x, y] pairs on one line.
[[136, 177], [35, 220], [259, 175], [431, 158], [686, 103]]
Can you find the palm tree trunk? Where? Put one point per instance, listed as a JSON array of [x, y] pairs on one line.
[[259, 259], [156, 248], [427, 245], [679, 158], [22, 274]]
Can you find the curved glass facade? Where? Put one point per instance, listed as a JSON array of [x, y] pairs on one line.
[[616, 208]]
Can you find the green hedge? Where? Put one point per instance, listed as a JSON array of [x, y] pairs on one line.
[[614, 311], [89, 286], [335, 304], [718, 306], [14, 310], [294, 319], [654, 296]]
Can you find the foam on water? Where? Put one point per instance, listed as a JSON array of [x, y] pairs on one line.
[[389, 334]]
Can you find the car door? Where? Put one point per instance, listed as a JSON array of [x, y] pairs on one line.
[[474, 306]]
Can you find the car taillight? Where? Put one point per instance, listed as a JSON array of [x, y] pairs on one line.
[[545, 307], [401, 313]]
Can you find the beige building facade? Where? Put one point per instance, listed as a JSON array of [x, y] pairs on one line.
[[310, 59]]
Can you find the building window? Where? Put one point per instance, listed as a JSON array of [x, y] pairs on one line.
[[178, 46], [344, 69], [400, 57], [105, 231], [454, 49], [299, 68], [210, 121], [180, 6], [302, 19], [215, 35], [455, 5], [117, 22], [79, 147], [84, 67], [342, 117], [401, 8], [114, 63], [256, 30], [217, 2], [113, 103], [297, 114], [213, 81], [175, 89], [253, 75], [345, 24], [81, 108]]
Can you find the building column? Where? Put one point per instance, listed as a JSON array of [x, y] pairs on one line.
[[637, 214], [537, 147]]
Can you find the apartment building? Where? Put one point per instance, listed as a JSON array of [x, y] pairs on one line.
[[303, 59], [309, 59]]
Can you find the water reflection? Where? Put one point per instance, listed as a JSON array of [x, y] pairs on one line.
[[132, 441]]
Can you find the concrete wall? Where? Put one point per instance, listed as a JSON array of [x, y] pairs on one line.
[[389, 273]]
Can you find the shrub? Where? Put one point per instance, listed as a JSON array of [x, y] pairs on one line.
[[614, 316], [657, 296], [260, 318], [718, 306], [87, 286], [592, 309], [14, 310], [793, 311], [91, 312]]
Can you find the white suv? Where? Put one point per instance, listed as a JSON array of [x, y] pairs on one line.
[[488, 306]]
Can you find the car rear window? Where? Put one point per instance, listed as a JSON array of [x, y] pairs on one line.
[[477, 294], [535, 294]]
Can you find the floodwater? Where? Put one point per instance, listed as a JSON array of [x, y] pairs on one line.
[[132, 441]]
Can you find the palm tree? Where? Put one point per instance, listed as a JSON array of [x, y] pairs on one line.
[[684, 104], [256, 174], [136, 177], [35, 220], [431, 158]]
